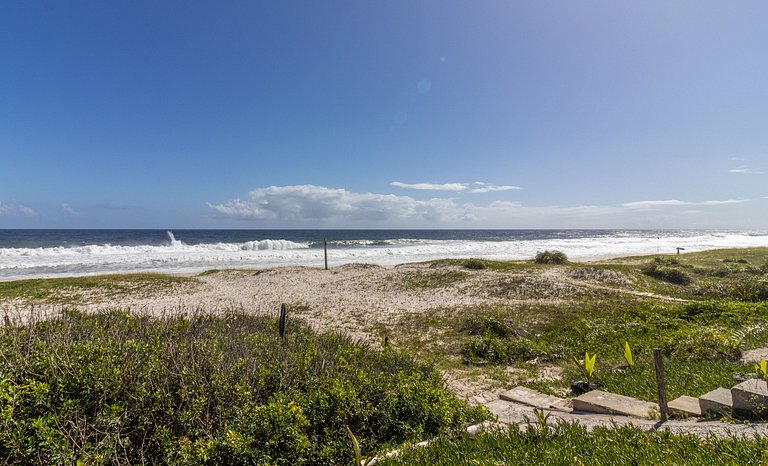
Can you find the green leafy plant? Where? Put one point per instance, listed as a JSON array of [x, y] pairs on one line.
[[359, 460], [551, 257], [762, 369], [587, 365], [628, 355]]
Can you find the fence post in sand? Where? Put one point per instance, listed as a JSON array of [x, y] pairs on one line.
[[325, 252], [660, 384]]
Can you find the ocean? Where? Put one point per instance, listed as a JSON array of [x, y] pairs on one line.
[[51, 253]]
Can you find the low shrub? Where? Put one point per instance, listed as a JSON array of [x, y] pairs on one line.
[[124, 389], [495, 350], [488, 323], [474, 264], [551, 257], [667, 274]]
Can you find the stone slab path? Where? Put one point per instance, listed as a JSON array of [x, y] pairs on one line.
[[510, 412]]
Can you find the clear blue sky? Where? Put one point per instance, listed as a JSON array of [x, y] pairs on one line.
[[429, 114]]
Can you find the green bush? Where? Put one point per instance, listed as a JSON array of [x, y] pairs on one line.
[[551, 257], [667, 274], [474, 264], [497, 350], [125, 389]]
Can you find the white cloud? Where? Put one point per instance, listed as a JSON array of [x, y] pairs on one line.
[[491, 188], [68, 209], [13, 209], [479, 187], [675, 202], [747, 170], [431, 186], [318, 203], [310, 206]]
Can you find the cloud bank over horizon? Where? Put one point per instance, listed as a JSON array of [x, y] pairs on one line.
[[319, 206]]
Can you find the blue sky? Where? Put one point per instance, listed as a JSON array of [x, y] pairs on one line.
[[430, 114]]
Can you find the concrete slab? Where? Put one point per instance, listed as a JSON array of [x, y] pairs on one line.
[[685, 406], [598, 401], [718, 401], [562, 405], [500, 408], [750, 398], [529, 397]]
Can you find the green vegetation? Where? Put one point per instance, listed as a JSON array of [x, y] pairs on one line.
[[701, 340], [475, 264], [118, 388], [540, 320], [571, 444], [432, 279], [550, 257], [664, 270], [70, 289]]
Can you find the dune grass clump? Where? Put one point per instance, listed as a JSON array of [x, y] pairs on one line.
[[666, 272], [551, 257], [571, 443], [474, 264], [118, 388]]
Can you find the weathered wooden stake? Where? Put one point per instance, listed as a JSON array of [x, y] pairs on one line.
[[281, 322], [660, 384], [325, 252]]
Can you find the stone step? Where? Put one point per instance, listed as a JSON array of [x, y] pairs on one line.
[[534, 398], [719, 401], [685, 406], [600, 402], [750, 398], [500, 408]]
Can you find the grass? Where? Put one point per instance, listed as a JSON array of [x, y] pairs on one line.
[[571, 444], [475, 264], [119, 388], [70, 289], [430, 279], [534, 319]]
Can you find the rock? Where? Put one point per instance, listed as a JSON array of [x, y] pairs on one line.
[[598, 401], [719, 401], [750, 399], [529, 397], [685, 406]]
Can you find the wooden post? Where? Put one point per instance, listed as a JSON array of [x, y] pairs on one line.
[[325, 252], [660, 384]]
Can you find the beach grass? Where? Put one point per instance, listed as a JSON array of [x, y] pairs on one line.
[[572, 444], [72, 289]]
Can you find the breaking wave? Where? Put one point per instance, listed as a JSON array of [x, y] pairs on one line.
[[175, 256]]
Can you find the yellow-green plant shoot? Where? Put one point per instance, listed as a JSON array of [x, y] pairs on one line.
[[762, 369], [628, 354], [587, 364]]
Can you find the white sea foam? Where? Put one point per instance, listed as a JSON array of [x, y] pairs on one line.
[[178, 257]]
